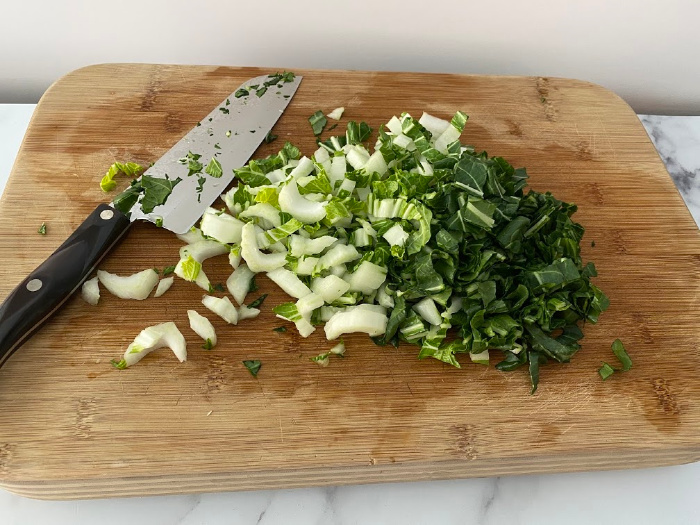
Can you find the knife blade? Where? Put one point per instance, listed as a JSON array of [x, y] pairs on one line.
[[230, 134]]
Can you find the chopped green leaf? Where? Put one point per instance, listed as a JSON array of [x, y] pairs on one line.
[[126, 199], [280, 329], [322, 359], [42, 229], [242, 92], [357, 133], [200, 185], [159, 222], [621, 354], [130, 169], [192, 162], [269, 137], [168, 270], [253, 366], [318, 121], [208, 344], [606, 371], [156, 191], [258, 302], [225, 111], [119, 365], [253, 287], [214, 168]]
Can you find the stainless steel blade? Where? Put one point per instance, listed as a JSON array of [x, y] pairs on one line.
[[237, 126]]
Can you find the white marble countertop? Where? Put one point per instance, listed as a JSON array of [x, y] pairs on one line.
[[665, 495]]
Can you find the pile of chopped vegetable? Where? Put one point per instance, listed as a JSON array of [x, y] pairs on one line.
[[421, 240]]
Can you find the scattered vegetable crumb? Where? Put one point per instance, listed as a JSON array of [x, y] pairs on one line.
[[253, 366], [258, 302], [318, 121], [336, 113], [606, 371]]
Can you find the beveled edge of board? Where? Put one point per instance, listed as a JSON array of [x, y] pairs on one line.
[[583, 461]]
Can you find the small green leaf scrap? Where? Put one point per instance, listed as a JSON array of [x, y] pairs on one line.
[[119, 365], [214, 168], [318, 121], [192, 162], [258, 302], [216, 288], [130, 169], [253, 366], [323, 359], [606, 371], [280, 329], [42, 229], [618, 349]]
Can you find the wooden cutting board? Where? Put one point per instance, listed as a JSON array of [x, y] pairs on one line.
[[71, 426]]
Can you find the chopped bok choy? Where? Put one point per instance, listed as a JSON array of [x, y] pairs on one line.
[[421, 239], [153, 338]]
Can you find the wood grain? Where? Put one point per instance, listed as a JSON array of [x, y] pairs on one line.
[[73, 427]]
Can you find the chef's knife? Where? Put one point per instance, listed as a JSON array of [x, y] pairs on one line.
[[230, 134]]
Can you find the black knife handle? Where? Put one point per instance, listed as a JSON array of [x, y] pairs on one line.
[[38, 296]]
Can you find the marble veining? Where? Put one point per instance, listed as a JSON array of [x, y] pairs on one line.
[[651, 496], [677, 139]]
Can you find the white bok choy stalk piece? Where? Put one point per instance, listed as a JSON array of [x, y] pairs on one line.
[[367, 278], [137, 286], [356, 319], [221, 226], [192, 236], [336, 113], [203, 250], [153, 338], [265, 211], [427, 310], [91, 291], [190, 269], [292, 202], [221, 306], [238, 283], [163, 286], [256, 260], [289, 282], [329, 288], [290, 312], [203, 328], [246, 312]]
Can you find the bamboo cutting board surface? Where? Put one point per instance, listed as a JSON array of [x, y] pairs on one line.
[[71, 426]]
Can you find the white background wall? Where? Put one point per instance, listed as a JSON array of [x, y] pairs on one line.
[[648, 51]]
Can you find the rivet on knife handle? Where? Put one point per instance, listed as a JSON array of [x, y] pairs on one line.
[[36, 298]]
